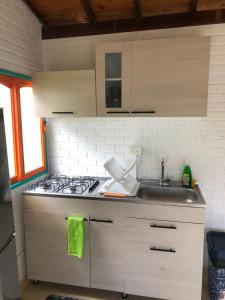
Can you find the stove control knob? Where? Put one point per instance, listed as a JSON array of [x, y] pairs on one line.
[[94, 185]]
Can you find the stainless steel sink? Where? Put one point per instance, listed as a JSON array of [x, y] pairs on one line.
[[170, 194]]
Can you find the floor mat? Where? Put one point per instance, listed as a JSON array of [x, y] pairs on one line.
[[54, 297]]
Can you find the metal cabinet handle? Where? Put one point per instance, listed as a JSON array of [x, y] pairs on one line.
[[101, 220], [163, 250], [7, 242], [143, 112], [85, 220], [163, 227], [64, 113], [117, 112]]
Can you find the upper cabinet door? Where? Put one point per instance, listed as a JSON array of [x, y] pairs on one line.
[[170, 77], [113, 71], [64, 93]]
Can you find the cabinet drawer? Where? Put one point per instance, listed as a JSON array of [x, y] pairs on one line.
[[164, 234], [167, 258], [163, 275]]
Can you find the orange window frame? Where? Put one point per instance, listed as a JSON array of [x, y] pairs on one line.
[[15, 84]]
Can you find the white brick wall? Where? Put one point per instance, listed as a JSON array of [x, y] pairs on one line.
[[20, 51], [20, 38], [201, 140]]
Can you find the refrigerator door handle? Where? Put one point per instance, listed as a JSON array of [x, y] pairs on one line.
[[7, 242]]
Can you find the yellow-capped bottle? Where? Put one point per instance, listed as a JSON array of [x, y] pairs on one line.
[[187, 176]]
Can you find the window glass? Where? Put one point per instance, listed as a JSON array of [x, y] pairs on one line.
[[5, 103], [31, 132], [113, 72], [113, 65]]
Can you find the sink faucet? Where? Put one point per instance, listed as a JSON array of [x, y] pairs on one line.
[[163, 181]]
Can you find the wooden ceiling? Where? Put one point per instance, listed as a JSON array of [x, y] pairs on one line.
[[87, 17]]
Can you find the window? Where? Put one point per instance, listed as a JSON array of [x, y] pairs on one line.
[[31, 130], [5, 103], [25, 134]]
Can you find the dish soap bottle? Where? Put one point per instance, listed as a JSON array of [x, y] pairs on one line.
[[187, 176]]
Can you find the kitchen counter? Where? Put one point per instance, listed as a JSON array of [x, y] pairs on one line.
[[133, 245], [95, 195]]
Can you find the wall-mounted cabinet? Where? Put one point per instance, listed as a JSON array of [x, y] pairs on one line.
[[164, 77], [170, 77], [113, 69], [64, 93]]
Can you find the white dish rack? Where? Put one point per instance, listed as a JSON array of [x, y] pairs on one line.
[[122, 182]]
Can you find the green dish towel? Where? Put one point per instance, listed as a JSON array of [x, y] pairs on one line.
[[75, 236]]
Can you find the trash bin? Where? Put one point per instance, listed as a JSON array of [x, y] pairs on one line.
[[216, 249]]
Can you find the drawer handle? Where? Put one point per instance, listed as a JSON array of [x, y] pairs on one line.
[[85, 220], [63, 112], [163, 227], [7, 242], [143, 112], [117, 112], [163, 250], [101, 220]]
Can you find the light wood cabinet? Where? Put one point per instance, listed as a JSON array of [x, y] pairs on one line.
[[170, 76], [113, 73], [64, 93], [46, 249], [141, 249], [107, 253], [163, 77], [167, 259]]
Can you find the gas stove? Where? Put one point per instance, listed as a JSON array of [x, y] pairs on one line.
[[65, 185]]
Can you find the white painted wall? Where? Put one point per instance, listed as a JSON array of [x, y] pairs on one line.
[[20, 38], [20, 51], [80, 146], [79, 53]]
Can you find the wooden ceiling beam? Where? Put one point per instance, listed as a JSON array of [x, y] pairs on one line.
[[137, 24], [34, 10], [88, 10], [137, 9], [194, 5]]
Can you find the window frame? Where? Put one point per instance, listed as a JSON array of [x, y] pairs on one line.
[[15, 83]]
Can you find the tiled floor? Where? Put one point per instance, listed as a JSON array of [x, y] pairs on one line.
[[42, 290]]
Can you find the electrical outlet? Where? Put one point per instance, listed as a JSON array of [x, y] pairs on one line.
[[137, 150]]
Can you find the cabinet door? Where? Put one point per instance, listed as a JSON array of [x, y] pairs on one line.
[[69, 93], [164, 259], [170, 77], [46, 249], [113, 63], [107, 253]]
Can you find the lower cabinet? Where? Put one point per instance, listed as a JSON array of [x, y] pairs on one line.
[[46, 250], [163, 259], [107, 253], [146, 257]]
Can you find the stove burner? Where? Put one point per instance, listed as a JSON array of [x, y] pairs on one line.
[[65, 185], [45, 185]]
